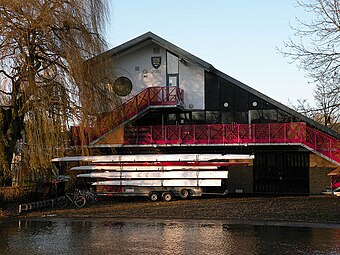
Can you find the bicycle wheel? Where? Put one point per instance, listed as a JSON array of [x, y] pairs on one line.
[[79, 200], [91, 198], [62, 201]]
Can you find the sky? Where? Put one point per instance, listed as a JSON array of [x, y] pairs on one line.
[[238, 37]]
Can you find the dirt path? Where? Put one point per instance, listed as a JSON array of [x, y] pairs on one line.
[[309, 209]]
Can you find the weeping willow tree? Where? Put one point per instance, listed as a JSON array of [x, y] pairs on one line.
[[45, 83]]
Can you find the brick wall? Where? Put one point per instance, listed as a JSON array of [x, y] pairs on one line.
[[116, 137], [318, 179]]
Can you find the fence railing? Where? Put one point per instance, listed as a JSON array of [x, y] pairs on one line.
[[274, 133]]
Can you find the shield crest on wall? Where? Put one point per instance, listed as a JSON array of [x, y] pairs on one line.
[[156, 62]]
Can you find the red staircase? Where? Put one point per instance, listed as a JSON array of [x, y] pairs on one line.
[[129, 110], [296, 133]]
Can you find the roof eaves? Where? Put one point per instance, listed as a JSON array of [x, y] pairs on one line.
[[127, 45]]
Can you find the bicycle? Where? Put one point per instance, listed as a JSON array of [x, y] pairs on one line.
[[90, 196], [75, 198]]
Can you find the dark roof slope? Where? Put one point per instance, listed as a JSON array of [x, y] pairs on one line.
[[150, 37]]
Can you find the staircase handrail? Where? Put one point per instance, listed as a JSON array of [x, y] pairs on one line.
[[150, 96]]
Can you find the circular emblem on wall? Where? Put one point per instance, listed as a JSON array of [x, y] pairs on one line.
[[122, 86]]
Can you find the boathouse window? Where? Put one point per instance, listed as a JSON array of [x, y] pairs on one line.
[[241, 118], [184, 118], [171, 119], [171, 63], [283, 117], [263, 116], [227, 117], [213, 117], [172, 75], [198, 117]]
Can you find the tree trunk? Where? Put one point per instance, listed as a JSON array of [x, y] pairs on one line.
[[11, 127]]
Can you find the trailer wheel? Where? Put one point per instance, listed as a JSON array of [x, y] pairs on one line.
[[154, 196], [185, 194], [167, 196]]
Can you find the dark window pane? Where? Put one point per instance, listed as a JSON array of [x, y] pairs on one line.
[[263, 116], [172, 119], [198, 117], [227, 118], [213, 117], [241, 117]]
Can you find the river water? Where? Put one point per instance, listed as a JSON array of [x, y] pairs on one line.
[[145, 236]]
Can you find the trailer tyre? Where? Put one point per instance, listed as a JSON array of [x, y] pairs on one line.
[[185, 194], [154, 196], [167, 196]]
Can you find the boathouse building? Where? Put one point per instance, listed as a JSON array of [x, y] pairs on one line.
[[175, 102]]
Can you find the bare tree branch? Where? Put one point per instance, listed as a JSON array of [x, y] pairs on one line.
[[316, 49]]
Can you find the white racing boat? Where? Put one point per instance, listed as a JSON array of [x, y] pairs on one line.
[[158, 175]]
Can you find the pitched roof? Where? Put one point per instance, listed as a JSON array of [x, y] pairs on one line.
[[150, 37]]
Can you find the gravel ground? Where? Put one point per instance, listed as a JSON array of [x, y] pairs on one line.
[[306, 209]]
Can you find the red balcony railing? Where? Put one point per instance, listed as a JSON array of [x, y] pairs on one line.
[[275, 133]]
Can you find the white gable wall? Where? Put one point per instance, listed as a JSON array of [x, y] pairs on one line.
[[126, 66], [136, 65]]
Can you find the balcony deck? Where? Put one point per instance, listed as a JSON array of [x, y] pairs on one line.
[[297, 133]]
